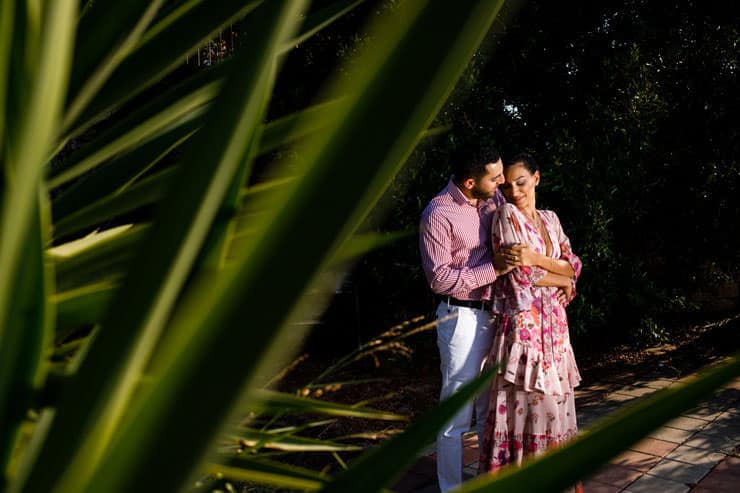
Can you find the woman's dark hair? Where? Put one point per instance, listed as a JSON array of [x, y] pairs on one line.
[[470, 162], [526, 159]]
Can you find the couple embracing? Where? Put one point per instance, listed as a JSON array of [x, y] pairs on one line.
[[503, 272]]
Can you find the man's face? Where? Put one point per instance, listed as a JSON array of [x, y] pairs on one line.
[[485, 187]]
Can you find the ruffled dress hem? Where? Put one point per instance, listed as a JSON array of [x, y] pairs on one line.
[[523, 366]]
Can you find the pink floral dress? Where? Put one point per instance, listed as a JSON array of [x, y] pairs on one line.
[[532, 403]]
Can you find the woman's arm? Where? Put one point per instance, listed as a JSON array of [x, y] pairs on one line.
[[522, 255], [559, 281]]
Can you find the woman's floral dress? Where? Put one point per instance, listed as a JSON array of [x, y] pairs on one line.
[[532, 402]]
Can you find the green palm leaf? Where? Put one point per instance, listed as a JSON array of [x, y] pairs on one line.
[[94, 402], [106, 40], [25, 316], [161, 50], [267, 401], [93, 192], [117, 175], [7, 14], [242, 466], [81, 306], [288, 442], [398, 106], [23, 363], [273, 474], [176, 107]]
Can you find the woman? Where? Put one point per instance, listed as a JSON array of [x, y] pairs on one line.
[[532, 403]]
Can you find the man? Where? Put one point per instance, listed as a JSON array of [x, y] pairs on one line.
[[458, 262]]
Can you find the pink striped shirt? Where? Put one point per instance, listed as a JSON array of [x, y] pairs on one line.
[[455, 243]]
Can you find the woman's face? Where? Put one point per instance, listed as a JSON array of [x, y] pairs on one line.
[[519, 186]]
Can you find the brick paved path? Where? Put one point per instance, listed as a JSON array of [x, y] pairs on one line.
[[697, 452]]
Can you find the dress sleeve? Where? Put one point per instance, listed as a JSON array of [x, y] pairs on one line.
[[566, 253]]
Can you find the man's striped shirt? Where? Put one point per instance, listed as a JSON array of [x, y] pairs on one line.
[[455, 243]]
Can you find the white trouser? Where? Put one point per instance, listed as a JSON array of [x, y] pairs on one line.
[[464, 341]]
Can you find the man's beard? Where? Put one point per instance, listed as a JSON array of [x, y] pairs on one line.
[[481, 194]]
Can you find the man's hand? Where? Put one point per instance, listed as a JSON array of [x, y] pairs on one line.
[[500, 262], [564, 294], [562, 297]]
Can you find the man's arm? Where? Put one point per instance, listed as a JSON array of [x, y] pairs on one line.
[[435, 243]]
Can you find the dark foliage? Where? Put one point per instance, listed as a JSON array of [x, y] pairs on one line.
[[631, 109]]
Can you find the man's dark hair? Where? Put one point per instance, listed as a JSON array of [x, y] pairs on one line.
[[526, 159], [470, 162]]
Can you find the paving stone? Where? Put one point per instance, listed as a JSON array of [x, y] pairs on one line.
[[636, 460], [621, 380], [696, 456], [707, 413], [687, 423], [725, 488], [470, 456], [589, 397], [671, 434], [597, 487], [601, 386], [594, 411], [621, 398], [600, 410], [728, 395], [584, 425], [718, 403], [729, 417], [712, 442], [654, 484], [735, 384], [658, 383], [724, 478], [654, 446], [727, 425], [615, 475], [728, 434], [635, 391], [735, 411], [660, 372], [678, 471]]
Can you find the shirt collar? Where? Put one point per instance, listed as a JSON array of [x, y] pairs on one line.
[[460, 197]]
